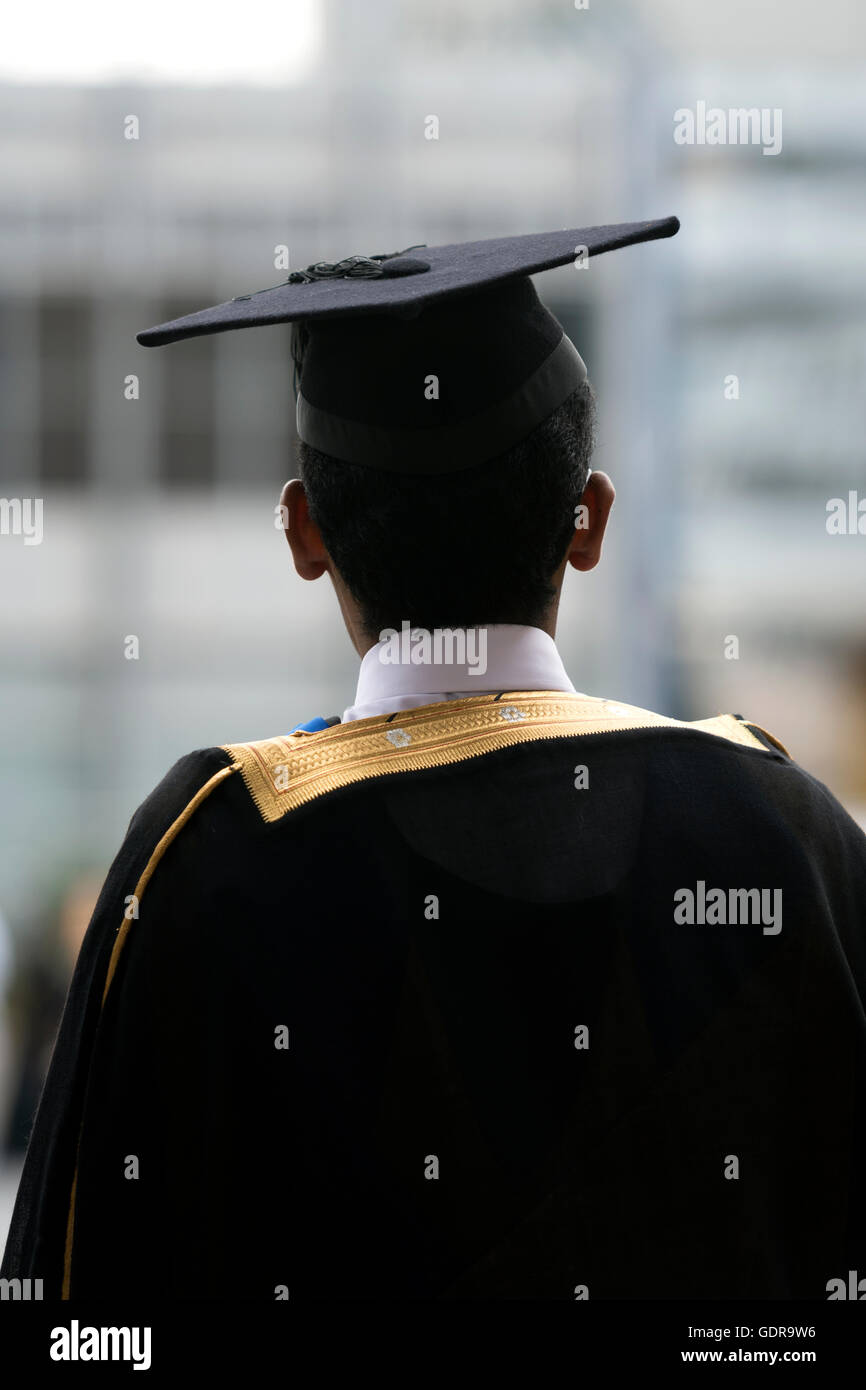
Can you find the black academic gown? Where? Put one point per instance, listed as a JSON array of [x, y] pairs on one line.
[[407, 1008]]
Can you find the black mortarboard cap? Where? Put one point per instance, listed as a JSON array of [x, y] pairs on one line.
[[429, 360]]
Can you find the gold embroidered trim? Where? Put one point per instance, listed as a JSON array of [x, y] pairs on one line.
[[120, 940], [70, 1228], [777, 743], [284, 773]]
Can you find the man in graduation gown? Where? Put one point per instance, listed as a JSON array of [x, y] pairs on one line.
[[492, 988]]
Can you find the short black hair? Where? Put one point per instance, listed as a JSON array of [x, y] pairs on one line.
[[465, 549]]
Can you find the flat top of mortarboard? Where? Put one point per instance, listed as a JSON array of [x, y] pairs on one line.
[[404, 283]]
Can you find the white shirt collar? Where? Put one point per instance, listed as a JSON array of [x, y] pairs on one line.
[[506, 657]]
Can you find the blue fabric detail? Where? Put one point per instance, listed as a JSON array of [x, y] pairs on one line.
[[313, 726]]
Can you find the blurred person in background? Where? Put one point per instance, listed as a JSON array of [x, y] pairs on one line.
[[38, 975], [35, 969]]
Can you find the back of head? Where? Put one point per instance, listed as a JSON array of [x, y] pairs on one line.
[[478, 546]]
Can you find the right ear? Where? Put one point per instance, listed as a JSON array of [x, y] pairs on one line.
[[598, 497], [303, 535]]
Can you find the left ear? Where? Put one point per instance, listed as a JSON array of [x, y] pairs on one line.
[[590, 522], [302, 533]]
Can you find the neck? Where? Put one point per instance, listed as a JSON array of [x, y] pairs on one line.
[[363, 641]]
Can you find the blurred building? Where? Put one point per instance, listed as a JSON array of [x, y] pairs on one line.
[[158, 510]]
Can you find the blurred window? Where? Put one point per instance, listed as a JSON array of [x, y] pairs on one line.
[[64, 326], [187, 445]]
